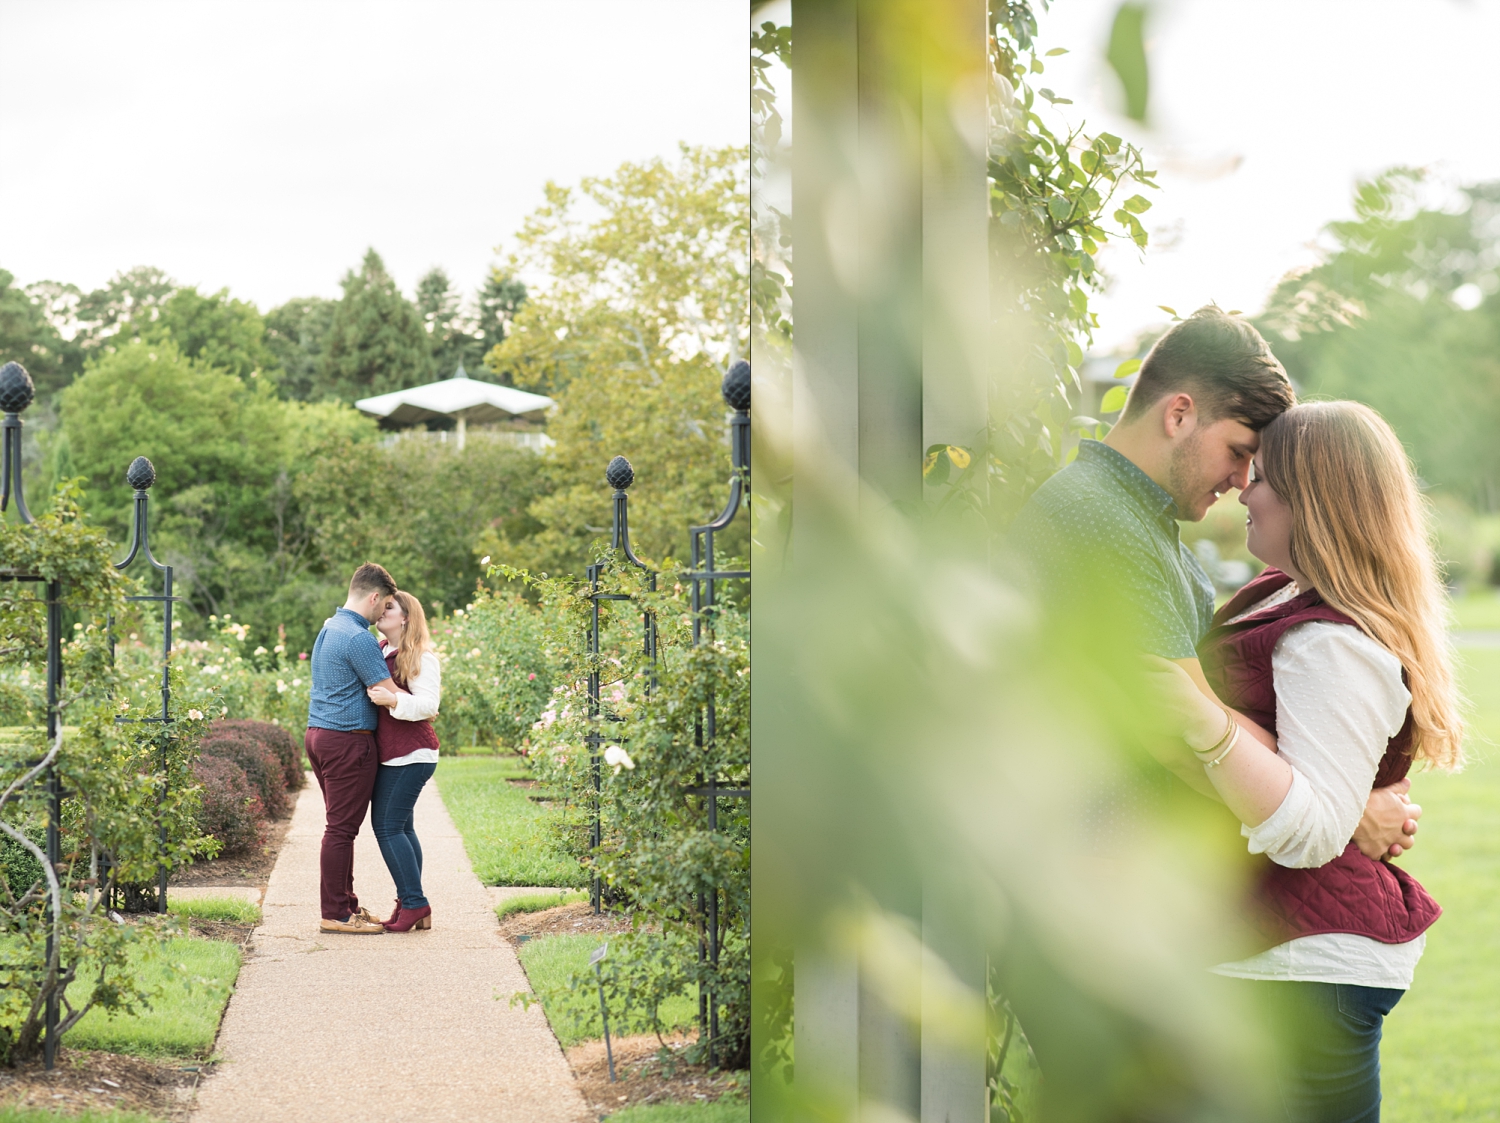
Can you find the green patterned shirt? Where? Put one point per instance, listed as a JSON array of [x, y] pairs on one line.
[[1102, 528]]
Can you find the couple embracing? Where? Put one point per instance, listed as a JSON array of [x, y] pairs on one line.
[[371, 745], [1303, 702]]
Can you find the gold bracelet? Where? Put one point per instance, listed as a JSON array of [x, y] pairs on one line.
[[1234, 739], [1229, 729]]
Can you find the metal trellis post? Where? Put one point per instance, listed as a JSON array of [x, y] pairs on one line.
[[619, 475], [16, 393], [141, 475], [704, 578]]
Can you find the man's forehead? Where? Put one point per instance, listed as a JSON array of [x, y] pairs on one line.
[[1241, 435]]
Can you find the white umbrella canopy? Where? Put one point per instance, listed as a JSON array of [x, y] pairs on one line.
[[460, 398]]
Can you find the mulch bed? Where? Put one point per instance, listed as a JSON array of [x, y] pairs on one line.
[[569, 920], [646, 1077], [253, 868], [88, 1081]]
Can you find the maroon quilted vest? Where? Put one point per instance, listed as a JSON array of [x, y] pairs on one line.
[[394, 737], [1352, 893]]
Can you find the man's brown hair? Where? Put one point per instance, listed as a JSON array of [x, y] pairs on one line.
[[371, 578], [1225, 365]]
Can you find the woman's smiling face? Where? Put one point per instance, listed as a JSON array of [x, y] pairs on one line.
[[1268, 527]]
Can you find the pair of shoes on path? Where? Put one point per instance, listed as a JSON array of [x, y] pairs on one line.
[[364, 922]]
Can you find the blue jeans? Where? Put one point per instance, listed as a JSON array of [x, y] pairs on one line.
[[396, 790], [1333, 1054]]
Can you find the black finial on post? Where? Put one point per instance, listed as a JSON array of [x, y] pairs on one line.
[[16, 388], [619, 475], [736, 387], [16, 393], [141, 474]]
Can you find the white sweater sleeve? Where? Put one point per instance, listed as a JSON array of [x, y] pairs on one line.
[[426, 692], [1339, 700]]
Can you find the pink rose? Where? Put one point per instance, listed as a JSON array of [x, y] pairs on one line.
[[531, 676]]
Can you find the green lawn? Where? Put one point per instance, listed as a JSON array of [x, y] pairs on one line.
[[237, 910], [538, 902], [1438, 1057], [574, 1014], [197, 977], [720, 1111], [505, 833], [1477, 612]]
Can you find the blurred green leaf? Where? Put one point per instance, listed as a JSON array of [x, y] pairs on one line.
[[1128, 367], [1126, 56], [1114, 400], [1137, 204]]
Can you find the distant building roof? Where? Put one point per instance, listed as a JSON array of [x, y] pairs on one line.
[[459, 398]]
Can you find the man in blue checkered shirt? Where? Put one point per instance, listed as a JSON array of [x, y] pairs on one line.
[[346, 661]]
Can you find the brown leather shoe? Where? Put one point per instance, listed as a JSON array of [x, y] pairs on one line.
[[358, 924], [368, 915]]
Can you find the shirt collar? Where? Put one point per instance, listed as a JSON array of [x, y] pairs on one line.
[[363, 623], [1139, 486]]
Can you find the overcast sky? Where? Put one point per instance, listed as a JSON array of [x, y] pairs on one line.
[[262, 145], [1265, 115]]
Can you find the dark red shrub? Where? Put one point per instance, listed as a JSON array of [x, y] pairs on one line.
[[230, 810], [260, 766], [287, 748]]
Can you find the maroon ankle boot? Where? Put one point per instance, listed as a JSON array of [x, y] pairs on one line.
[[407, 919], [395, 912]]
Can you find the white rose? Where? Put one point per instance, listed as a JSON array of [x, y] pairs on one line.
[[618, 757]]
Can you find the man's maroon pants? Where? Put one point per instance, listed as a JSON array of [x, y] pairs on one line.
[[345, 765]]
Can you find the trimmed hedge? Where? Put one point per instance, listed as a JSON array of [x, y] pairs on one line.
[[231, 811], [261, 768], [288, 751]]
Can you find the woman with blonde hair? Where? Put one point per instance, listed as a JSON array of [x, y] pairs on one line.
[[408, 748], [1338, 650]]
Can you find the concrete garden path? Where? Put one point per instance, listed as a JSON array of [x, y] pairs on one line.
[[414, 1027]]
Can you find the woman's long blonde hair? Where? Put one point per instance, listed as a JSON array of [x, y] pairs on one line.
[[1360, 535], [415, 638]]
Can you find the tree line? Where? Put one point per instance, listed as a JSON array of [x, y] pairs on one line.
[[271, 487], [371, 340]]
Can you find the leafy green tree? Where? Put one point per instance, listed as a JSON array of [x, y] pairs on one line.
[[227, 454], [420, 508], [218, 330], [133, 297], [377, 341], [496, 307], [646, 304], [29, 337], [297, 336], [448, 330], [1396, 316]]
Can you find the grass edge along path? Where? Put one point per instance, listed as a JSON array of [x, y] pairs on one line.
[[550, 961], [507, 835], [1437, 1058]]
